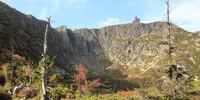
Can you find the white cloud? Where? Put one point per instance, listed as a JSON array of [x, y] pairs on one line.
[[186, 14], [44, 13], [56, 5], [153, 19], [67, 3], [75, 3], [110, 21]]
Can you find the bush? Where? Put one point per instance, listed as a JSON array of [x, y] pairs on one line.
[[59, 92], [81, 81]]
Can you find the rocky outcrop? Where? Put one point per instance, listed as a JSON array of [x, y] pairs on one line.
[[134, 45], [131, 45]]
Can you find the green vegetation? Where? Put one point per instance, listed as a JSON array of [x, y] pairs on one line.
[[73, 82], [122, 62]]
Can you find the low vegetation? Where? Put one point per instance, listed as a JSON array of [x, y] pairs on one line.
[[77, 85]]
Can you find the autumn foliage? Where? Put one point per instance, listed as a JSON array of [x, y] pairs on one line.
[[124, 93], [80, 74], [80, 78]]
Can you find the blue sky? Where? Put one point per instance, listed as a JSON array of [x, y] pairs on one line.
[[98, 13]]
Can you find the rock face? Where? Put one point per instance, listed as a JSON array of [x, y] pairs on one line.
[[131, 45], [143, 46]]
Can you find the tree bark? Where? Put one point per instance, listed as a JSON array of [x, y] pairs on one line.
[[17, 88], [12, 64], [44, 85], [30, 64]]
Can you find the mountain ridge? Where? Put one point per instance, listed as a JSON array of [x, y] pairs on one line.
[[126, 45]]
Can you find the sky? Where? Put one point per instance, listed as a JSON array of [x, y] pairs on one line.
[[77, 14]]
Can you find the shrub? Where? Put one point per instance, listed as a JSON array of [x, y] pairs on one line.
[[59, 92], [81, 81]]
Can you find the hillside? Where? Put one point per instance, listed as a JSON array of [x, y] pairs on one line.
[[120, 52], [128, 45]]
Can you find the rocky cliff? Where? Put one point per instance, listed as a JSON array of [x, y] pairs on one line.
[[134, 46], [118, 48]]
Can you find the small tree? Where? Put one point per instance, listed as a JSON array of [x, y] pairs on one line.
[[80, 78]]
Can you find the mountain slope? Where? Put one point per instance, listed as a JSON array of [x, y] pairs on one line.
[[26, 34], [117, 48], [144, 46]]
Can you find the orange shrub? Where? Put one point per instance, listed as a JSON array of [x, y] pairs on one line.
[[80, 78], [124, 93], [80, 74]]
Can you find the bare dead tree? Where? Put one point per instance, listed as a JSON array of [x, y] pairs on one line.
[[44, 71], [17, 88], [30, 65], [169, 31], [176, 79], [12, 63], [170, 44]]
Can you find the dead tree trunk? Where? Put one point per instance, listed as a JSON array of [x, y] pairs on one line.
[[169, 32], [12, 64], [30, 65], [17, 88], [44, 85], [172, 67]]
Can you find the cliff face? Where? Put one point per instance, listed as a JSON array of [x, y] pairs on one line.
[[122, 47], [134, 46]]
